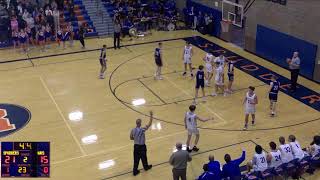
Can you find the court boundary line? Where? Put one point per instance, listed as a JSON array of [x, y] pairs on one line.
[[194, 154], [62, 116], [88, 50]]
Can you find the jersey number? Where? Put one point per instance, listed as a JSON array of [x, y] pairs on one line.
[[262, 160], [275, 88], [278, 158], [288, 150], [189, 119], [5, 124]]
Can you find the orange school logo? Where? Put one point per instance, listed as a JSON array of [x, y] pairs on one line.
[[12, 118]]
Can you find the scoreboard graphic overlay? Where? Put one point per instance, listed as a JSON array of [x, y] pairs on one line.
[[25, 159]]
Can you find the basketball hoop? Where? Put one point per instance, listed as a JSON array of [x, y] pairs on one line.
[[225, 25]]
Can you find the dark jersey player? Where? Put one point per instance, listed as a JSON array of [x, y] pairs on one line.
[[199, 83], [273, 94], [230, 75], [103, 61], [158, 61]]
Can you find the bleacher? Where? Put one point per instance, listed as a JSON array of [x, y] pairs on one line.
[[80, 16]]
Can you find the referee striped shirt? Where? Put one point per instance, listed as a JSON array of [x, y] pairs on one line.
[[138, 135]]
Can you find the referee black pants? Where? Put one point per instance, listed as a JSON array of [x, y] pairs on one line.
[[294, 79], [139, 152], [81, 39], [116, 40]]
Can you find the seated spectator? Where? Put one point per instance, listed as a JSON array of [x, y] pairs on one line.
[[214, 167], [274, 156], [231, 169], [206, 175], [259, 161], [296, 148], [314, 149], [286, 151]]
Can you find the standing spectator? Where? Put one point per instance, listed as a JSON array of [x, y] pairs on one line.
[[294, 66], [140, 148], [232, 167], [214, 167], [206, 175], [14, 23], [179, 161], [81, 33], [116, 37], [56, 19]]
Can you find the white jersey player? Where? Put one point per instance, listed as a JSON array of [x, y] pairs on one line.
[[314, 149], [259, 161], [296, 148], [208, 59], [190, 121], [274, 156], [187, 55], [219, 79], [221, 59], [286, 151], [250, 102]]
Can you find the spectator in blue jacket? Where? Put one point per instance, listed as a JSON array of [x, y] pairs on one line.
[[214, 167], [206, 175], [232, 167]]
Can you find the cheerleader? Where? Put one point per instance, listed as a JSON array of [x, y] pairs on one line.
[[71, 33], [65, 37], [41, 38], [15, 38], [59, 36], [23, 37], [47, 34], [30, 37]]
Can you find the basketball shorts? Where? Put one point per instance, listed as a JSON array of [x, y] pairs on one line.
[[230, 77], [193, 131], [187, 60], [158, 62], [273, 97], [209, 68], [250, 110], [200, 84], [218, 81], [103, 62]]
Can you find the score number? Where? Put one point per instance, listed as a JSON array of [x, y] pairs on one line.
[[12, 159], [23, 146]]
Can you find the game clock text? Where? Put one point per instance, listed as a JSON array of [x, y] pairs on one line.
[[25, 159]]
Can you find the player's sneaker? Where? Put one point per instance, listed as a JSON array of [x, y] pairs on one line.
[[148, 167], [191, 74], [225, 94], [272, 114], [184, 73], [160, 78], [136, 172], [195, 149], [214, 94], [252, 122], [245, 127]]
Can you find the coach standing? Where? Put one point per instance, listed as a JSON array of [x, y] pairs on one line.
[[294, 66], [140, 149], [116, 36], [179, 161]]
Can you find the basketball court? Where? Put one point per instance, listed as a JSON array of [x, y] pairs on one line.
[[88, 120]]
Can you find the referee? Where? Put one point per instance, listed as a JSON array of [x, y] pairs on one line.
[[294, 66], [140, 149]]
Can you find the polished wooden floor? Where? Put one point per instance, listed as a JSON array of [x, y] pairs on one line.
[[57, 88]]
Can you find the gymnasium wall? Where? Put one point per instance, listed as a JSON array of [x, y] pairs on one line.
[[291, 27]]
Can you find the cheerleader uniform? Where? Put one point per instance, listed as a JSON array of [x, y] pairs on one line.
[[59, 35], [65, 36], [15, 37], [29, 33], [41, 36], [23, 38], [47, 33]]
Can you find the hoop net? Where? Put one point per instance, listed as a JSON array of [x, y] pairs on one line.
[[225, 25]]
